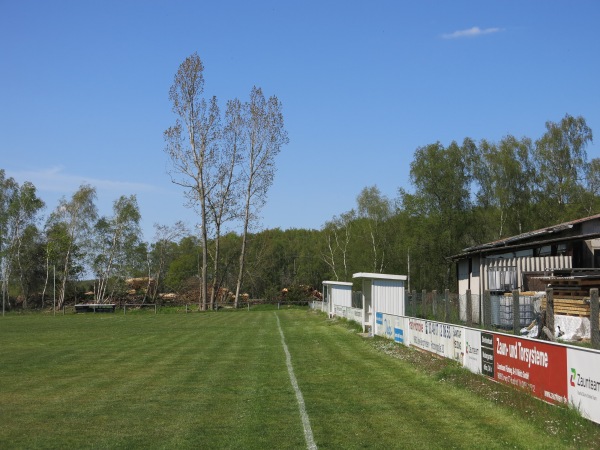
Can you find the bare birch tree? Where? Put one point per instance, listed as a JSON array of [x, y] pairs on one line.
[[72, 224], [265, 135], [337, 238], [8, 188], [116, 237], [23, 209], [375, 208], [192, 145], [225, 198], [19, 207]]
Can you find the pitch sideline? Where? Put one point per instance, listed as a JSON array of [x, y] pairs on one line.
[[308, 434]]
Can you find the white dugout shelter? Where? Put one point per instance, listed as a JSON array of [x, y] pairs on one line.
[[382, 293], [337, 293]]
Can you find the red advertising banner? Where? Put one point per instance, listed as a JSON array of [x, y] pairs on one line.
[[531, 365]]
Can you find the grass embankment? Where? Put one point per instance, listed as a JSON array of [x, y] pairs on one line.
[[215, 380]]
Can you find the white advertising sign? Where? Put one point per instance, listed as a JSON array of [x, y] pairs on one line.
[[434, 337], [392, 327], [458, 334], [472, 350], [583, 380]]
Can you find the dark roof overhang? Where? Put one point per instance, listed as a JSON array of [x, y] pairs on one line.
[[504, 246]]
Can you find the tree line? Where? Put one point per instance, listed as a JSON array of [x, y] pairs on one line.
[[465, 194], [461, 195]]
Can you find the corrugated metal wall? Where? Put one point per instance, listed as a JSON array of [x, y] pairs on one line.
[[341, 295], [526, 264], [389, 297]]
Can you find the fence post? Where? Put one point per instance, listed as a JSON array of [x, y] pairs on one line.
[[414, 303], [434, 304], [516, 313], [423, 304], [446, 305], [487, 309], [594, 319], [550, 310], [469, 308]]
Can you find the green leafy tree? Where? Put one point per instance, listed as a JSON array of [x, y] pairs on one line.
[[591, 200], [504, 172], [8, 188], [31, 265], [183, 269], [161, 254], [71, 225], [442, 205], [560, 159], [116, 239], [19, 209], [22, 216]]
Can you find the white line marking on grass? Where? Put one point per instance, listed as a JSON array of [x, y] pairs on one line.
[[308, 435]]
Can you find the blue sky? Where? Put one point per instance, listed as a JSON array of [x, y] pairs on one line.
[[84, 89]]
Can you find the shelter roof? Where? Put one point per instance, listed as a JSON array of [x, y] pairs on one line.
[[379, 276], [337, 283]]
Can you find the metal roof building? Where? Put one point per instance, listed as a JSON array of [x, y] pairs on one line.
[[514, 262]]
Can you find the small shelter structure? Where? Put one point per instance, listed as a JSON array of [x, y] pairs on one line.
[[336, 293], [382, 293]]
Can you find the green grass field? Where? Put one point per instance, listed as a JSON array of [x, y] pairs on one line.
[[220, 380]]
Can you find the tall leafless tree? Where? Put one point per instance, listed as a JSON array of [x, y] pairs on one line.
[[224, 201], [265, 135], [192, 146]]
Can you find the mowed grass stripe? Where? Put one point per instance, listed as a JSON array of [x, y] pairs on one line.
[[358, 398], [155, 381]]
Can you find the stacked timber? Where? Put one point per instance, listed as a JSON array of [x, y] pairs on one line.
[[570, 307], [571, 293]]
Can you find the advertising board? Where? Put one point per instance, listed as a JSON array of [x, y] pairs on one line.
[[552, 372], [338, 311], [401, 331], [435, 337], [531, 365], [458, 342], [487, 354], [391, 327], [471, 353], [583, 382]]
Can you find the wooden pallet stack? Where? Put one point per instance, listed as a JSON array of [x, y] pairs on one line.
[[572, 294]]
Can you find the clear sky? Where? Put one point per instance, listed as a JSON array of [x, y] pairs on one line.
[[84, 89]]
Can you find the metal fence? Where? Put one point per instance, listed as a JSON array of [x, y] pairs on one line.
[[508, 312], [487, 311]]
